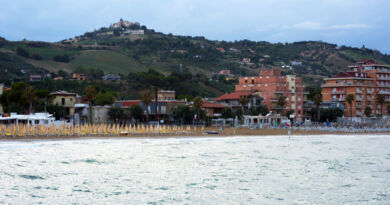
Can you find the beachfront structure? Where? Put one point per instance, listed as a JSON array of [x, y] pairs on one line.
[[259, 121], [213, 109], [163, 107], [270, 85], [66, 100], [232, 100], [31, 119], [365, 81]]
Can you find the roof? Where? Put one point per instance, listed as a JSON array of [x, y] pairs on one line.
[[63, 92], [213, 105], [129, 103], [232, 96]]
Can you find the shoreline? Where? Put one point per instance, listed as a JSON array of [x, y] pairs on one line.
[[227, 132]]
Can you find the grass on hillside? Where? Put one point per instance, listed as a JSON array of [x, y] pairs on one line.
[[47, 53], [108, 61], [358, 56]]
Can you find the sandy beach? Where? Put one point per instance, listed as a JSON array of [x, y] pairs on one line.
[[226, 132]]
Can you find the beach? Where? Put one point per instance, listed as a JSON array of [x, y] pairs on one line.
[[198, 132]]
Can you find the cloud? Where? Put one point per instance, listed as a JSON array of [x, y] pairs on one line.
[[311, 25]]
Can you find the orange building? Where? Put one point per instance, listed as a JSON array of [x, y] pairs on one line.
[[80, 76], [365, 81], [271, 85]]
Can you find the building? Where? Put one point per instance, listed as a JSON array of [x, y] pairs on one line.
[[232, 100], [1, 92], [79, 76], [213, 109], [35, 78], [58, 78], [164, 107], [31, 119], [166, 95], [246, 60], [365, 81], [66, 100], [110, 77], [224, 72], [270, 85]]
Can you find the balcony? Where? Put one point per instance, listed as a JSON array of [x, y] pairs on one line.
[[384, 92], [338, 91], [359, 91], [359, 99], [370, 91], [338, 99]]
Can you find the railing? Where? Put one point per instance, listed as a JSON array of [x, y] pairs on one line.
[[338, 91], [359, 91], [359, 99]]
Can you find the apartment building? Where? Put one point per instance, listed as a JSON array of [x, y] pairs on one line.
[[270, 85], [365, 81]]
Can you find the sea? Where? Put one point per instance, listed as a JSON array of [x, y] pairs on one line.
[[325, 169]]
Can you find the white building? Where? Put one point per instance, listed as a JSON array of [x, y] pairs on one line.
[[32, 119]]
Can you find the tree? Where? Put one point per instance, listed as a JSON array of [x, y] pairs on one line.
[[281, 102], [64, 58], [59, 112], [243, 102], [198, 103], [182, 113], [350, 98], [22, 52], [227, 113], [367, 111], [116, 113], [317, 99], [146, 99], [90, 93], [107, 98], [380, 99], [136, 112], [388, 109]]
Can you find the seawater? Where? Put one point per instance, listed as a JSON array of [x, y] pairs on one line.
[[327, 169]]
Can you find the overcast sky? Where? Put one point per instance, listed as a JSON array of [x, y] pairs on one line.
[[344, 22]]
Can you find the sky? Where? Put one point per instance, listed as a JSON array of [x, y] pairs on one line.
[[343, 22]]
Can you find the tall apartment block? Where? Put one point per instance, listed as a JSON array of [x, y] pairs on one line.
[[271, 85], [365, 81]]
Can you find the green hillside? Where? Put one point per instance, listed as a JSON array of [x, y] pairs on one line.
[[135, 49], [108, 61]]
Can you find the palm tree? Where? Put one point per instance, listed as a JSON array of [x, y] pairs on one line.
[[146, 99], [198, 102], [156, 104], [90, 93], [317, 99], [350, 98], [281, 102], [380, 99], [367, 111], [30, 95], [243, 102]]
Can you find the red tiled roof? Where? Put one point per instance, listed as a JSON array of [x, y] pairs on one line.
[[213, 105], [232, 96], [130, 103]]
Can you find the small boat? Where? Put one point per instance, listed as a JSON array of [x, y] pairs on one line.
[[210, 133]]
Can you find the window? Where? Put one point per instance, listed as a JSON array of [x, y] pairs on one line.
[[71, 99], [36, 122], [63, 101]]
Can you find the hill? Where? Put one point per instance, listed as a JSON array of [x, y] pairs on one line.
[[127, 47]]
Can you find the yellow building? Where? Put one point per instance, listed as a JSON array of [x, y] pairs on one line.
[[64, 99], [166, 95]]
